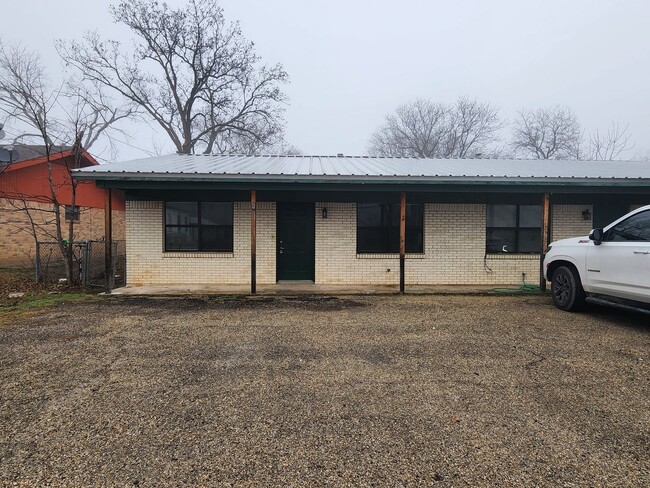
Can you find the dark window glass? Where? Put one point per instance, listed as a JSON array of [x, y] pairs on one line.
[[369, 215], [199, 226], [71, 213], [502, 215], [514, 229], [182, 213], [501, 240], [378, 228], [216, 213], [635, 229], [216, 238], [530, 240], [530, 215], [182, 238]]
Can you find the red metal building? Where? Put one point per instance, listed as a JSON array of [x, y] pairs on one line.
[[27, 178], [25, 198]]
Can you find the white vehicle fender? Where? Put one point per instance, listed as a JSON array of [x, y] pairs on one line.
[[578, 261]]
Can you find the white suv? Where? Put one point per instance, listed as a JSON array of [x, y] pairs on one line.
[[611, 266]]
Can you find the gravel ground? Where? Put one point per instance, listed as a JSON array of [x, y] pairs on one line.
[[397, 391]]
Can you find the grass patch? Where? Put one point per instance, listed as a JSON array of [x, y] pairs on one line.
[[36, 295], [12, 309]]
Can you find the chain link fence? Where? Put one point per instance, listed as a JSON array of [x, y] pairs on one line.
[[88, 263]]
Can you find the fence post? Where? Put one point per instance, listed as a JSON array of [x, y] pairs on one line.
[[108, 239], [114, 267], [402, 240], [37, 264], [85, 260], [253, 242]]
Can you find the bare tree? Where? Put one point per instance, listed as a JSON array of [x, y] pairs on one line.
[[552, 133], [68, 115], [427, 129], [234, 143], [27, 217], [475, 127], [644, 157], [191, 73], [417, 129], [285, 149], [257, 140], [611, 145]]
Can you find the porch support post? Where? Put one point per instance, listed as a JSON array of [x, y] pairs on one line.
[[108, 239], [402, 240], [253, 242], [546, 219]]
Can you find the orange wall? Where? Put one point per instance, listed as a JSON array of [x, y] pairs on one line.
[[32, 182]]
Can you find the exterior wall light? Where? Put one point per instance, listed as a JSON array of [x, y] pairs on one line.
[[324, 212], [586, 214]]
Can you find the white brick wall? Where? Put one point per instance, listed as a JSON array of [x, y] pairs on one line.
[[568, 221], [337, 261], [147, 263], [454, 249]]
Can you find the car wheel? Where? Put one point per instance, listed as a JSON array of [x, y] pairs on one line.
[[567, 290]]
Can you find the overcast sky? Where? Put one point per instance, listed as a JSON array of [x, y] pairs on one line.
[[353, 61]]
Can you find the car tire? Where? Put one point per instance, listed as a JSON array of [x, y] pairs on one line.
[[566, 289]]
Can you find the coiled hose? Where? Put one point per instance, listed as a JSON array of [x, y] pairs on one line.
[[524, 288]]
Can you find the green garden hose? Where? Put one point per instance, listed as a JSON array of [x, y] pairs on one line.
[[524, 288]]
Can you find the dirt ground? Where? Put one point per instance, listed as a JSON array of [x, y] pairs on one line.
[[357, 391]]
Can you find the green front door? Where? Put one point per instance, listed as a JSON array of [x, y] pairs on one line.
[[608, 209], [295, 241]]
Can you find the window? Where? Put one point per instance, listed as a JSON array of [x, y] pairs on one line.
[[514, 228], [378, 228], [71, 213], [634, 229], [199, 226]]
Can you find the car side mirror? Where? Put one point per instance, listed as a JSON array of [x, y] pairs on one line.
[[597, 235]]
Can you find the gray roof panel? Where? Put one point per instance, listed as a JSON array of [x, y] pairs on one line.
[[363, 168]]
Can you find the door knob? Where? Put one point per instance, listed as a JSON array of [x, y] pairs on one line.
[[641, 252]]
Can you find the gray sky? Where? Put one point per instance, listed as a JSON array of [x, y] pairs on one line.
[[352, 62]]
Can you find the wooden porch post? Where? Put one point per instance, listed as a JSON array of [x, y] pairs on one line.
[[253, 242], [546, 212], [402, 240], [108, 239]]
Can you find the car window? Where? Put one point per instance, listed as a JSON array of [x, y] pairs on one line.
[[635, 228]]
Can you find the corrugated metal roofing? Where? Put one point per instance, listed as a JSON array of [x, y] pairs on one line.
[[31, 151], [362, 168]]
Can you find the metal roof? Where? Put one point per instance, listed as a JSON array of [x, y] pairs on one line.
[[364, 169], [33, 151]]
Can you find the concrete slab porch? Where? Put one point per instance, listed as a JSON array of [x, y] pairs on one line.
[[302, 288]]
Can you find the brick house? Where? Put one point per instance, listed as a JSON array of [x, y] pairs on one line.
[[25, 194], [245, 220]]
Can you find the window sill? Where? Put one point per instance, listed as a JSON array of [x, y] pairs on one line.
[[197, 254], [513, 255], [418, 255]]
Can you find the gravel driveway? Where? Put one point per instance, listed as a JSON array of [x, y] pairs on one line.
[[389, 391]]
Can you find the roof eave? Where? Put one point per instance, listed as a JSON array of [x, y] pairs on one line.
[[55, 157], [343, 179]]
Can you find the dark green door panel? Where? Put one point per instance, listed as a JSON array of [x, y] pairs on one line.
[[607, 210], [296, 248]]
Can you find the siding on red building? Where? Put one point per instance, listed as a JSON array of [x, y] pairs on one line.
[[26, 182], [29, 180]]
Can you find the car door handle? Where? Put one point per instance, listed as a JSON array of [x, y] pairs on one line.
[[641, 252]]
